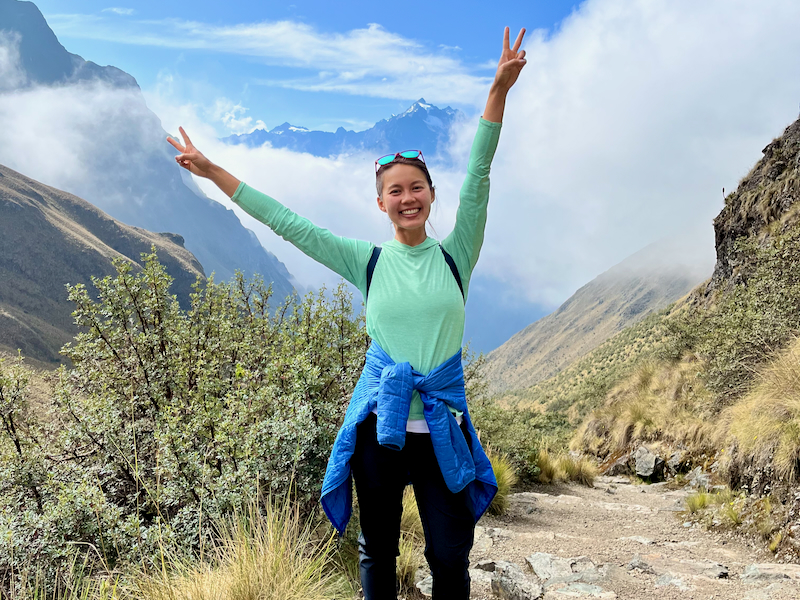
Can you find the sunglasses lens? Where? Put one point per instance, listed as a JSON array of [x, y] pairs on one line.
[[385, 160], [410, 154]]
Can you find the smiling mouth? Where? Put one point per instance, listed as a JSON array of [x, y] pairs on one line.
[[410, 211]]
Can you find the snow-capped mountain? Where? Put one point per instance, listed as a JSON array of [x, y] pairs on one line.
[[422, 127]]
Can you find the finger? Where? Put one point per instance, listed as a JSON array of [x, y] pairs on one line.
[[505, 38], [521, 55], [186, 139], [518, 43], [176, 145]]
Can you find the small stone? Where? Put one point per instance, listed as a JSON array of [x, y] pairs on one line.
[[638, 564], [425, 586], [510, 583], [485, 565], [668, 579]]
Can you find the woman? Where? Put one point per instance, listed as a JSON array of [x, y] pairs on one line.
[[407, 420]]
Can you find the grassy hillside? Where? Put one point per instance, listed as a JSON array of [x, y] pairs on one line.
[[49, 238], [644, 283]]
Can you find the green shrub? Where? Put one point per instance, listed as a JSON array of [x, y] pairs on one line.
[[171, 419]]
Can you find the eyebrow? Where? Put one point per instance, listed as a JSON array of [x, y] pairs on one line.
[[412, 183]]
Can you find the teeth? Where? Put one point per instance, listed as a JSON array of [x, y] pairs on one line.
[[410, 211]]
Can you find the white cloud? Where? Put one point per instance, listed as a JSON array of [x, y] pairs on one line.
[[125, 12], [371, 61], [624, 127], [12, 75]]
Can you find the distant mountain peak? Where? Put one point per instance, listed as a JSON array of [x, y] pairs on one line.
[[284, 127], [422, 126]]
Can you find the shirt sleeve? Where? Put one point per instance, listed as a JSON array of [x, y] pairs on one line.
[[345, 256], [464, 243]]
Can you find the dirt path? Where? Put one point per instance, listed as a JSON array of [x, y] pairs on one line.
[[634, 546]]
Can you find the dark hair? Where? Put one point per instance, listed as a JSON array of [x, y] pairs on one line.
[[414, 162]]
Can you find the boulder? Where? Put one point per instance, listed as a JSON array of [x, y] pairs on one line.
[[510, 583], [648, 465]]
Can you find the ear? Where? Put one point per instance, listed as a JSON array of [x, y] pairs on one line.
[[381, 205], [433, 194]]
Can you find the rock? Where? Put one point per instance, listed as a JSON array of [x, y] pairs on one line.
[[546, 566], [425, 586], [766, 571], [485, 565], [648, 464], [717, 572], [675, 462], [510, 583], [620, 466], [699, 480], [479, 576], [640, 565], [579, 590], [668, 579]]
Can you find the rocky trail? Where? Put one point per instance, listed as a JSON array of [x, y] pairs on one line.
[[616, 540]]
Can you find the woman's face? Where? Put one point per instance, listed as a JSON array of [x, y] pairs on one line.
[[407, 199]]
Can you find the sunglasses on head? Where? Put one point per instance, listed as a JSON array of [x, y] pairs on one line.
[[390, 158]]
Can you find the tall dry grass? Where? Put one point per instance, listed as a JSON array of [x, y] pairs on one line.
[[661, 401], [270, 553], [765, 424], [506, 476]]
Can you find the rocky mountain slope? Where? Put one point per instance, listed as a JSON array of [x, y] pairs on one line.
[[49, 238], [641, 284], [422, 127], [144, 187]]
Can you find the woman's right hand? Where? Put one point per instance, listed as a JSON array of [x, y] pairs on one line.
[[190, 158]]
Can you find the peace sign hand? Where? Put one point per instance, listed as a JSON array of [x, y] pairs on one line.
[[191, 158], [511, 62]]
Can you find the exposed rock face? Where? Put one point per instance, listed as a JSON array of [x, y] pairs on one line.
[[768, 194]]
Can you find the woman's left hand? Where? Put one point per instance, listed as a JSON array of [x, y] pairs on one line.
[[511, 62]]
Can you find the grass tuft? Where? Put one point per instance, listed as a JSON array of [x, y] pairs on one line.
[[697, 502], [506, 476], [269, 553]]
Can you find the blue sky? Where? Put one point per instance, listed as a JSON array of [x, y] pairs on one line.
[[317, 64]]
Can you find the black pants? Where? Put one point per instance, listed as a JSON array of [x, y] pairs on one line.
[[380, 476]]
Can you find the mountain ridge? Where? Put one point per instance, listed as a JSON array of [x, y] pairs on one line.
[[422, 126], [50, 238], [615, 299], [148, 192]]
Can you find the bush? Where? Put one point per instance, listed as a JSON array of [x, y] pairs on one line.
[[170, 420]]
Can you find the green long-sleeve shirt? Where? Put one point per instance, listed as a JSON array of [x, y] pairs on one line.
[[415, 310]]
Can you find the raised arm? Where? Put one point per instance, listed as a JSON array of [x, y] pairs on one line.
[[345, 256], [511, 62], [465, 242]]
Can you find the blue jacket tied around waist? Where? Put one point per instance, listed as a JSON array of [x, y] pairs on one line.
[[387, 386]]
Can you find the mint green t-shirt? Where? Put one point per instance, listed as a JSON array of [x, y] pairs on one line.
[[415, 311]]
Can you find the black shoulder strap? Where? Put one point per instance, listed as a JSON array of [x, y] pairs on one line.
[[452, 264], [373, 260], [376, 252]]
